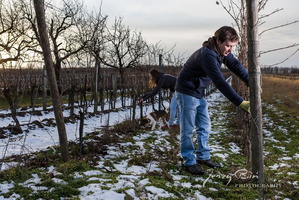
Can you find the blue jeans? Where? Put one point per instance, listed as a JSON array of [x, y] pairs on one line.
[[174, 110], [194, 119]]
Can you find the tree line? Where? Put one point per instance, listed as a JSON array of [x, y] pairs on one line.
[[78, 38], [280, 70]]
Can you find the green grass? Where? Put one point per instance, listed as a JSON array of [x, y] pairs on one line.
[[57, 190]]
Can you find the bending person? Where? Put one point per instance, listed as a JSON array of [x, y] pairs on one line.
[[158, 81], [201, 68]]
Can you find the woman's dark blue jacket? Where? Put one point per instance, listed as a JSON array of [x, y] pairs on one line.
[[202, 67]]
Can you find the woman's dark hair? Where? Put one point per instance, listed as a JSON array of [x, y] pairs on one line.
[[154, 77], [226, 33]]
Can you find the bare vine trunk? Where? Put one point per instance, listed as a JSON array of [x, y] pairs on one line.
[[12, 104]]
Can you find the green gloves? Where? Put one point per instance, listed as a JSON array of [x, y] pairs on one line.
[[245, 105]]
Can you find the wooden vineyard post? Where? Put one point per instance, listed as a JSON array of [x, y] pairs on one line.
[[160, 69], [44, 88], [256, 135]]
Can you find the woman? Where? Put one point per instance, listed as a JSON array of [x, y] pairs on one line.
[[160, 80], [201, 68]]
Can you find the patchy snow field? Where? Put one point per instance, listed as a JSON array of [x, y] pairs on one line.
[[130, 180]]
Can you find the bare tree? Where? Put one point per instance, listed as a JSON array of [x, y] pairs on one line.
[[123, 49], [13, 42], [14, 46], [154, 50], [56, 100], [66, 34], [174, 60], [279, 48], [238, 11], [11, 95], [66, 30], [96, 26]]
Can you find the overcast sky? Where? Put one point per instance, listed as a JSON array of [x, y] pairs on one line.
[[188, 23]]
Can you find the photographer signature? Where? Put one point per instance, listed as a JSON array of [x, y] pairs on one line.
[[241, 174]]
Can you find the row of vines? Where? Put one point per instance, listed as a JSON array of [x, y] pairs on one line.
[[28, 88]]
